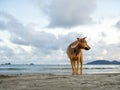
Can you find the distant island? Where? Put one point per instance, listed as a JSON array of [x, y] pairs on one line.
[[101, 62], [17, 64], [6, 64]]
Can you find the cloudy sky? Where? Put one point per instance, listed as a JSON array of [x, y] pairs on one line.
[[39, 31]]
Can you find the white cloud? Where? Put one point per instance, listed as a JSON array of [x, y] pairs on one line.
[[117, 25], [68, 13], [104, 52], [31, 44], [38, 46]]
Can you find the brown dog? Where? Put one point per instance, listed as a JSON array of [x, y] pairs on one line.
[[74, 52]]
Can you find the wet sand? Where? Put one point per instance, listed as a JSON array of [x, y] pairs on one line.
[[60, 82]]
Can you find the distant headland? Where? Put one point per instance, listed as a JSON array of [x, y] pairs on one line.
[[103, 62]]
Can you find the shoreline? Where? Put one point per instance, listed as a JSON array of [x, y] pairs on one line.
[[57, 74], [110, 81], [4, 76]]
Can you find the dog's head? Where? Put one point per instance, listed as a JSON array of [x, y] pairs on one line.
[[81, 43]]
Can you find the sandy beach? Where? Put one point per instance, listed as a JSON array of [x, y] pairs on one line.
[[60, 82]]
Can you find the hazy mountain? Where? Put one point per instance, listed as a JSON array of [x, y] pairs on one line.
[[104, 62]]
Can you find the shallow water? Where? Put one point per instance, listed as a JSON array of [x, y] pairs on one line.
[[57, 69]]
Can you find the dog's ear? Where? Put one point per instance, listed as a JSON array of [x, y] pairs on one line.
[[78, 39], [84, 38]]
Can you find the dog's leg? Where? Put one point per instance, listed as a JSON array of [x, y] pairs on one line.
[[78, 65], [73, 66], [81, 62]]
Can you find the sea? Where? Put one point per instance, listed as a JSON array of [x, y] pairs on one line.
[[16, 69]]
